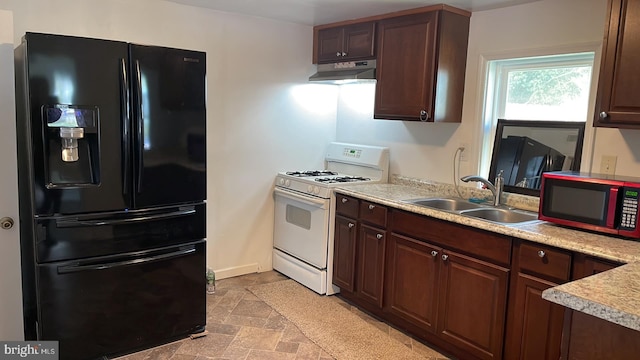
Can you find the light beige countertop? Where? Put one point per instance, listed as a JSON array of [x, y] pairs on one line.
[[613, 295]]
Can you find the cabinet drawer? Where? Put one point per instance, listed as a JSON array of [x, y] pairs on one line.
[[347, 206], [373, 213], [478, 243], [550, 263]]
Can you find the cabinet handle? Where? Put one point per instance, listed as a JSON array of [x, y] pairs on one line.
[[434, 253], [351, 225], [541, 253], [344, 54], [344, 200], [338, 54], [371, 207], [445, 257], [379, 236], [424, 115], [604, 115]]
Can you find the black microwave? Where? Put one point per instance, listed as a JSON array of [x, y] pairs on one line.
[[597, 202]]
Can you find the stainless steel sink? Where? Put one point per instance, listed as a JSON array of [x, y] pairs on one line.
[[447, 204], [500, 215]]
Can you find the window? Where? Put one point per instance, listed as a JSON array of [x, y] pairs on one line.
[[554, 87]]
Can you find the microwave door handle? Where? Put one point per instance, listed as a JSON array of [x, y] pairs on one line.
[[613, 205]]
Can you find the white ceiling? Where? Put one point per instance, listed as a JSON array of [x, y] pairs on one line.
[[315, 12]]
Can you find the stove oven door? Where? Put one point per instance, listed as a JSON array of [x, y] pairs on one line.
[[301, 226]]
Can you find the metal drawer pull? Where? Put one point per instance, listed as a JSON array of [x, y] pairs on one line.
[[379, 236], [351, 225], [445, 257], [434, 253], [344, 200], [541, 253], [371, 207]]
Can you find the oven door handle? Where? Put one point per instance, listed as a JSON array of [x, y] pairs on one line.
[[303, 199]]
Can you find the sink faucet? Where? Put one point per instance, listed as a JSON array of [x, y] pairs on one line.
[[496, 189]]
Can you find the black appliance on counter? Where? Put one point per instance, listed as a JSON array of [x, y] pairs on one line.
[[112, 184], [524, 159]]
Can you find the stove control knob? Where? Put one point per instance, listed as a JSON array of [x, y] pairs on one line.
[[281, 182], [316, 190], [287, 183], [310, 189]]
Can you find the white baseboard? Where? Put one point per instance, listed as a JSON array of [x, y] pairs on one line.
[[236, 271]]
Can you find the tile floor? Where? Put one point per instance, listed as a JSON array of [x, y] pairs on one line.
[[242, 327]]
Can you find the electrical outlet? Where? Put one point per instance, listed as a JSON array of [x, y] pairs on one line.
[[464, 152], [608, 164]]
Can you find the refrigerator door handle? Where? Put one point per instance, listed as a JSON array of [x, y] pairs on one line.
[[139, 125], [126, 141], [109, 265], [66, 223]]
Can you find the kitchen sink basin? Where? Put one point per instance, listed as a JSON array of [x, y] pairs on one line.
[[446, 204], [501, 215], [506, 216]]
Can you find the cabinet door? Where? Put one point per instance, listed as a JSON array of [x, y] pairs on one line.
[[411, 281], [617, 103], [534, 329], [358, 42], [371, 245], [406, 67], [344, 253], [329, 45], [473, 301]]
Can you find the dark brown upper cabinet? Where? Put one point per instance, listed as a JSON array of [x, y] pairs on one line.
[[618, 103], [346, 43], [421, 66]]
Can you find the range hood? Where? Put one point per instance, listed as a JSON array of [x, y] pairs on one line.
[[345, 72]]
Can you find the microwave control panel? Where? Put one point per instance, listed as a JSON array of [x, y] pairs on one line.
[[629, 213]]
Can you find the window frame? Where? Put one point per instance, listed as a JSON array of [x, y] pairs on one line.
[[495, 89]]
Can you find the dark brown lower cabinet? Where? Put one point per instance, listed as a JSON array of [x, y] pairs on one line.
[[473, 302], [412, 274], [591, 338], [370, 270], [344, 253], [535, 328]]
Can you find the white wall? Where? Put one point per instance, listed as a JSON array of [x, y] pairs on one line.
[[262, 114], [426, 150]]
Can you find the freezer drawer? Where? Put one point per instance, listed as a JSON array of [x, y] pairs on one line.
[[114, 304], [90, 235]]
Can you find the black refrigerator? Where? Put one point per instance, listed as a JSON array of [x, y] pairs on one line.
[[524, 159], [112, 187]]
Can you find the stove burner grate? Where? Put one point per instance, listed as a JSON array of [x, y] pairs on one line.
[[311, 173], [342, 179]]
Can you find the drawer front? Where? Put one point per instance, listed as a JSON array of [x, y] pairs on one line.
[[347, 206], [478, 243], [373, 213], [547, 262]]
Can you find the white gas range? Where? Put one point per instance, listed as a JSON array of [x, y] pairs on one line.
[[305, 207]]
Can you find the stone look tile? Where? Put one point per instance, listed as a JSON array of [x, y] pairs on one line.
[[182, 357], [276, 322], [269, 355], [257, 309], [308, 351], [235, 352], [226, 329], [164, 352], [288, 347], [254, 338], [210, 345], [292, 334]]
